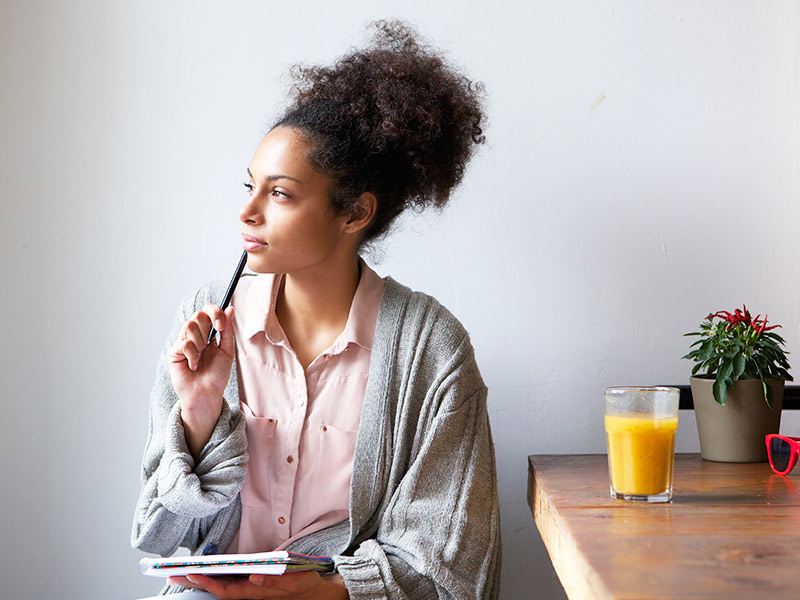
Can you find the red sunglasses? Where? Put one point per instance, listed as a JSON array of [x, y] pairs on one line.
[[782, 452]]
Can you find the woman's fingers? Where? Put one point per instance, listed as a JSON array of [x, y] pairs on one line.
[[226, 343], [258, 579], [184, 581], [195, 332], [197, 329], [191, 354], [193, 345], [215, 317]]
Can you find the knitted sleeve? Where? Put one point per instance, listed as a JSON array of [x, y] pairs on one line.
[[182, 500], [438, 527]]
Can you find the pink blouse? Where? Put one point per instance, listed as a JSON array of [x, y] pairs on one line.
[[301, 426]]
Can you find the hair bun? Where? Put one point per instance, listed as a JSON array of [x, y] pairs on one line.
[[393, 119]]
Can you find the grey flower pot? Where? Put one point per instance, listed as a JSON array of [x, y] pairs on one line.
[[735, 432]]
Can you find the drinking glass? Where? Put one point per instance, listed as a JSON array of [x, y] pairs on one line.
[[640, 431]]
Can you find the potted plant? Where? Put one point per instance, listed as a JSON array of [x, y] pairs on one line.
[[737, 384]]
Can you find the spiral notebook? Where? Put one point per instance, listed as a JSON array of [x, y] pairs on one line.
[[269, 563]]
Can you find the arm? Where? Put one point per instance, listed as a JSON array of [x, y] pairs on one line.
[[438, 532], [184, 498]]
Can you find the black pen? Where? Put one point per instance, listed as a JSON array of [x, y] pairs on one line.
[[231, 287]]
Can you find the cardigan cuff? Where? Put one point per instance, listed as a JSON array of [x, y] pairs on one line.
[[199, 490], [361, 577]]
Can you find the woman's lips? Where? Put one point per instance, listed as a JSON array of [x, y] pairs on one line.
[[251, 244]]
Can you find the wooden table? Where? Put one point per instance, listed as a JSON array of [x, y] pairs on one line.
[[731, 531]]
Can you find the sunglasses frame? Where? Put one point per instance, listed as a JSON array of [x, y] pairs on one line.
[[794, 444]]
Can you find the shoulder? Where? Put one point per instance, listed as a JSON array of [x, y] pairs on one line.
[[420, 314], [425, 347]]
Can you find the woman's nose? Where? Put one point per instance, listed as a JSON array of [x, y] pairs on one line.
[[250, 211]]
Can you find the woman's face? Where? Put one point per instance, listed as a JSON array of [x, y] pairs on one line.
[[288, 223]]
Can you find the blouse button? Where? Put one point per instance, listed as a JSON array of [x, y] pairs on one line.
[[281, 520], [290, 459], [324, 428]]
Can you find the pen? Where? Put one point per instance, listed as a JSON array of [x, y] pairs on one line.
[[229, 293]]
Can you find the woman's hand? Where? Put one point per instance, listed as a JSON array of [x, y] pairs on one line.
[[302, 585], [200, 371]]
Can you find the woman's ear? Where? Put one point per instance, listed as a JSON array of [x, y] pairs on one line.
[[362, 212]]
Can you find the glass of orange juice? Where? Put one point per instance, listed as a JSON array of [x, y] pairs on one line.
[[640, 431]]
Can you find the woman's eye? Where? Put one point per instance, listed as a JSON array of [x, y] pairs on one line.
[[279, 194], [249, 187]]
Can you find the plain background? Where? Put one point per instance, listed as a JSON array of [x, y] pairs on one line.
[[642, 169]]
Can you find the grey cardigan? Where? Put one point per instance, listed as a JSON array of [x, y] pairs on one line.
[[424, 518]]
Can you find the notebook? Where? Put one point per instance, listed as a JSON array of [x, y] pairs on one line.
[[269, 563]]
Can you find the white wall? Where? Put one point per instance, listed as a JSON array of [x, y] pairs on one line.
[[643, 169]]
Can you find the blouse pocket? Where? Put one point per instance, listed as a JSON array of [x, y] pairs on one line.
[[330, 489], [260, 438]]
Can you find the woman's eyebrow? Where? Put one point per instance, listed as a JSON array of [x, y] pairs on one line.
[[275, 177]]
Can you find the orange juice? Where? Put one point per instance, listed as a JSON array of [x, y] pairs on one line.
[[640, 453]]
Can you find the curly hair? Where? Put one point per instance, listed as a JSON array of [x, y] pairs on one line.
[[393, 119]]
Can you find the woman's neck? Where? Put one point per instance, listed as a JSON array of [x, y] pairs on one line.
[[313, 307]]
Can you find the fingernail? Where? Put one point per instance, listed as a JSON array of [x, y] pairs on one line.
[[218, 324]]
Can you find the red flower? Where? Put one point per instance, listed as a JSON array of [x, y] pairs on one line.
[[742, 316], [761, 326], [738, 316]]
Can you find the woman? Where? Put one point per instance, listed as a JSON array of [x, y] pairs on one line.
[[339, 414]]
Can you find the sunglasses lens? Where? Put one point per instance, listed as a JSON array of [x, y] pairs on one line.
[[781, 453]]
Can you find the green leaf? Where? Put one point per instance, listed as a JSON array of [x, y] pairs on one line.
[[774, 336], [767, 393], [739, 363], [718, 388], [725, 371]]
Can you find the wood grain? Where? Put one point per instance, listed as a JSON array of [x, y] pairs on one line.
[[732, 531]]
